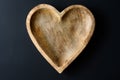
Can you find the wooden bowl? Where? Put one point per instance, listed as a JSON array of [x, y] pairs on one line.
[[60, 36]]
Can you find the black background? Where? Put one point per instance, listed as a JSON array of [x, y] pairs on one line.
[[20, 60]]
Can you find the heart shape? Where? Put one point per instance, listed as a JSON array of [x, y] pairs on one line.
[[60, 36]]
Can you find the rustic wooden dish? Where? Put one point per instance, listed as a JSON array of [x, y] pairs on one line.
[[60, 36]]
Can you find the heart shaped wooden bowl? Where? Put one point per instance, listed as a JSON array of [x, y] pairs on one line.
[[60, 36]]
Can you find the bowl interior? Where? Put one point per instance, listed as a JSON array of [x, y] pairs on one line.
[[61, 35]]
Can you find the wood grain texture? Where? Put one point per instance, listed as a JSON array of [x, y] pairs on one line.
[[60, 36]]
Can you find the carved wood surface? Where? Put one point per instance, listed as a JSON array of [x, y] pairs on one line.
[[60, 36]]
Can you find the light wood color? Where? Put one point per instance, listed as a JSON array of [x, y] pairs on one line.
[[60, 36]]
